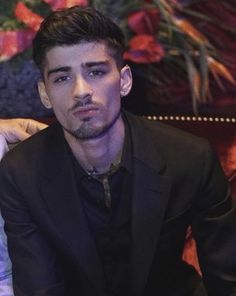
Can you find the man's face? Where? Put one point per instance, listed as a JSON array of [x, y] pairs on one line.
[[83, 85]]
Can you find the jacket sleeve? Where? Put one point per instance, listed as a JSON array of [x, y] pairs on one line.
[[27, 246], [214, 228]]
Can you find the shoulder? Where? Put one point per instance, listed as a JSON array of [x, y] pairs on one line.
[[188, 160], [164, 136], [155, 143]]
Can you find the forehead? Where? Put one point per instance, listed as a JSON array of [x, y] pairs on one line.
[[81, 53]]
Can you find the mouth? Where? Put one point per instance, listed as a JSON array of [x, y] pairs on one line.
[[85, 111]]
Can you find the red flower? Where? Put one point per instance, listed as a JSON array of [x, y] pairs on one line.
[[25, 15], [144, 21], [57, 4], [144, 49], [14, 42]]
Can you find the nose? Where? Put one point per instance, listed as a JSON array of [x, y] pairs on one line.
[[82, 89]]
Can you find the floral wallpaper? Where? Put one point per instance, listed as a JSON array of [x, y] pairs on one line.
[[182, 53]]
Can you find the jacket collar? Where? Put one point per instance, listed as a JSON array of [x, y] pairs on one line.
[[144, 146], [151, 189], [59, 191]]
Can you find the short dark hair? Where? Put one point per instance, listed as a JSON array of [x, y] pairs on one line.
[[74, 25]]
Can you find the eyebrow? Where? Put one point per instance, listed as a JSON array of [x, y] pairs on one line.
[[59, 69], [99, 63], [68, 68]]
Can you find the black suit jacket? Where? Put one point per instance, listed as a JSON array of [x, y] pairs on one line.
[[177, 182]]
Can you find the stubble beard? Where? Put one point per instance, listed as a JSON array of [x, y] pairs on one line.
[[88, 132]]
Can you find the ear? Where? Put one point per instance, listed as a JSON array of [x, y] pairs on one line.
[[43, 95], [126, 81]]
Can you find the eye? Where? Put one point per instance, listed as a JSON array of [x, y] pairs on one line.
[[62, 79], [95, 73]]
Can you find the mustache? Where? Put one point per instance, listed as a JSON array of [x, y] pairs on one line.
[[83, 103]]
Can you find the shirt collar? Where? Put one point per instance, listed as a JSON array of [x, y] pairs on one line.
[[126, 156]]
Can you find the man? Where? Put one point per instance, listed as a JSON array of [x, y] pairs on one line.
[[99, 203], [11, 132]]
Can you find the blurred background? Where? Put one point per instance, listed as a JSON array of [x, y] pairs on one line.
[[182, 54]]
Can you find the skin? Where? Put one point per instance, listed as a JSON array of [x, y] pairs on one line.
[[15, 130], [19, 129], [84, 85]]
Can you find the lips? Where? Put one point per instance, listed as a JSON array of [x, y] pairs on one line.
[[85, 111]]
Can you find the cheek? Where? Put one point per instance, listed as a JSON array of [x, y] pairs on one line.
[[57, 99], [112, 92]]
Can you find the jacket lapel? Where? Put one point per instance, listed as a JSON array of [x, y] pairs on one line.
[[151, 188], [150, 196], [149, 204], [59, 190]]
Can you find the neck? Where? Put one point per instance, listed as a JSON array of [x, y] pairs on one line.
[[100, 153]]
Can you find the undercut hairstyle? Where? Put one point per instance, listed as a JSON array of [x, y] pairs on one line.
[[73, 26]]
